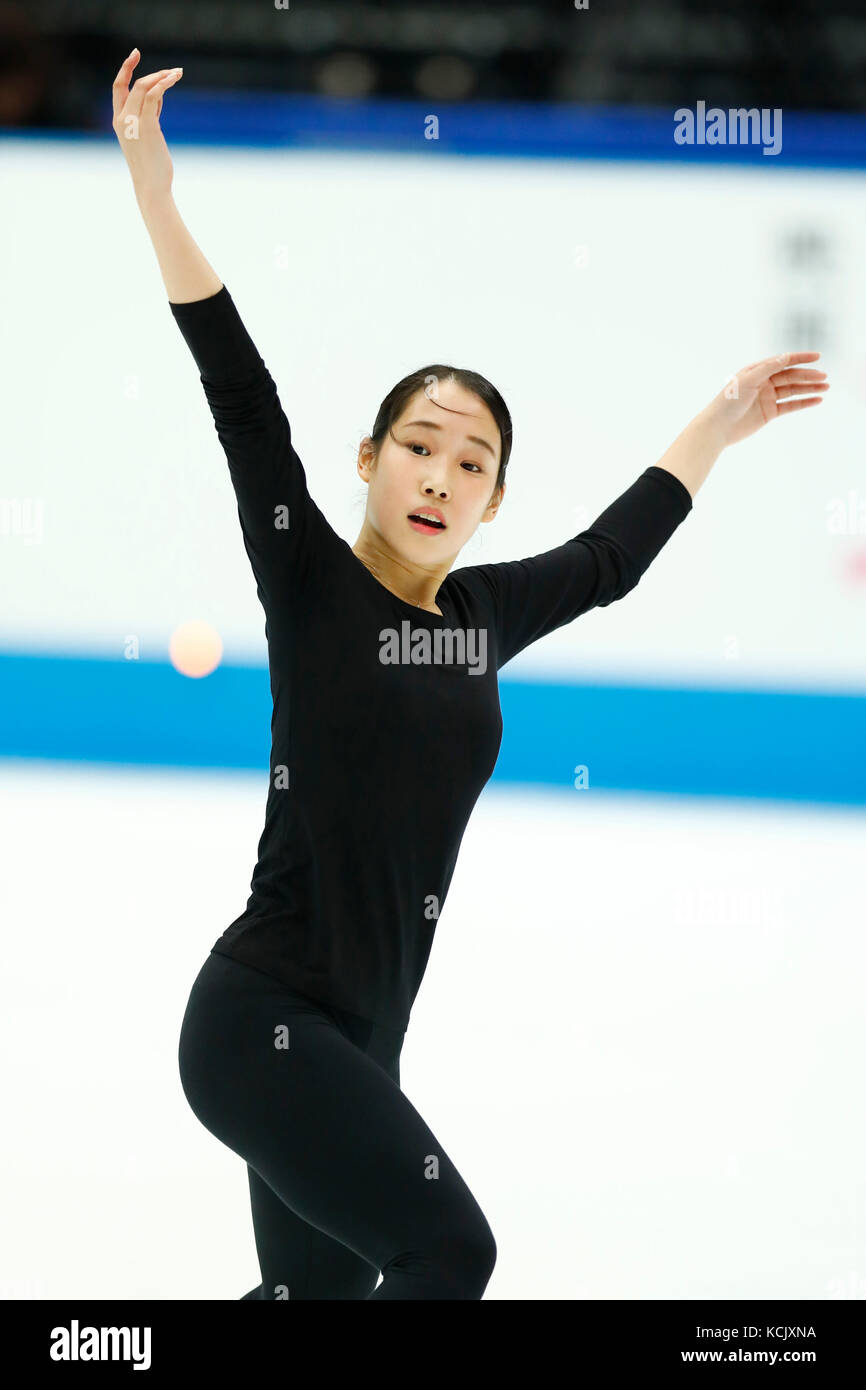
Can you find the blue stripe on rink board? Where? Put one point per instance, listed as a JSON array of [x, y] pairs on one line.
[[534, 130], [697, 741], [694, 741], [115, 710], [529, 130]]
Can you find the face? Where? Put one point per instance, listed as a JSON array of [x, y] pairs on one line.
[[448, 464]]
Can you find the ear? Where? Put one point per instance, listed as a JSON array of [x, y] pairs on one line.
[[366, 451], [495, 503]]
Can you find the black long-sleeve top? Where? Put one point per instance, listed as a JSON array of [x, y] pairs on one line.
[[377, 760]]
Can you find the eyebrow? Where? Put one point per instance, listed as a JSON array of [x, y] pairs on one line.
[[472, 438]]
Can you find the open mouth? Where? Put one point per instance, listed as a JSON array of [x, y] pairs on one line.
[[425, 523]]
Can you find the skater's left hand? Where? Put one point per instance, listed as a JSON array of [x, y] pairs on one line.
[[759, 393]]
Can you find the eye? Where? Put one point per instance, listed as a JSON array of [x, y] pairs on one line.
[[476, 466]]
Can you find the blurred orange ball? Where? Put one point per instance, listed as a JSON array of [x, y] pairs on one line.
[[195, 649]]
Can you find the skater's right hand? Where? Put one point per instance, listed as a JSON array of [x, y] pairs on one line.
[[136, 125]]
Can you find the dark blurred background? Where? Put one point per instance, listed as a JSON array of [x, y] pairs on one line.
[[55, 58]]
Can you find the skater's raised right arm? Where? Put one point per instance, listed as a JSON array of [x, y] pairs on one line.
[[185, 272], [281, 523]]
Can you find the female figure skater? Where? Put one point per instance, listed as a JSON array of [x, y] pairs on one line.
[[386, 727]]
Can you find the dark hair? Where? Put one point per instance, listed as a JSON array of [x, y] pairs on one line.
[[399, 396]]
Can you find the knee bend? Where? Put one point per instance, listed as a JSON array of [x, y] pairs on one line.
[[455, 1264], [478, 1257]]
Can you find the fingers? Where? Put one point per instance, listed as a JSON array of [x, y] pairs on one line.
[[145, 86], [787, 406], [780, 360], [797, 376], [152, 104], [120, 86], [130, 103], [784, 377], [780, 370], [798, 387]]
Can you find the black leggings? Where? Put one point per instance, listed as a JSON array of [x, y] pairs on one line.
[[346, 1180]]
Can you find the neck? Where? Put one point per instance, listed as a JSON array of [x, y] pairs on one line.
[[411, 585]]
